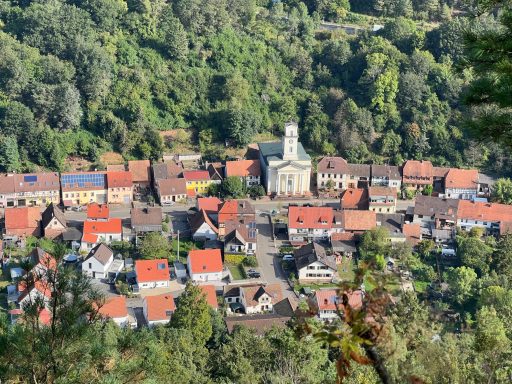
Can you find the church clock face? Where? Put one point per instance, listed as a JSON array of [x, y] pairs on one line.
[[291, 141]]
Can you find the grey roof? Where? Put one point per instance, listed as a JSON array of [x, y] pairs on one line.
[[101, 252], [284, 308], [260, 323], [146, 216], [51, 212], [273, 152], [486, 179], [393, 222], [72, 234], [310, 253], [361, 170], [436, 206], [344, 245], [390, 171]]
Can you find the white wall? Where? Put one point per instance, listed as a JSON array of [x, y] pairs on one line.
[[99, 269], [204, 232], [316, 265], [154, 284], [203, 277]]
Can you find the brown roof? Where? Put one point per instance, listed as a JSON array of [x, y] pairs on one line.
[[358, 220], [22, 218], [436, 206], [168, 170], [7, 183], [31, 182], [244, 231], [119, 179], [360, 170], [140, 170], [418, 172], [337, 165], [171, 187], [243, 168], [440, 171], [115, 167], [382, 191], [101, 252], [354, 198], [261, 323], [390, 171], [51, 212], [412, 232], [252, 293], [146, 216], [310, 253], [462, 178]]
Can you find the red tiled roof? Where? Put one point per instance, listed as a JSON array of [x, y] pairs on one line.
[[172, 187], [112, 225], [40, 257], [418, 172], [37, 182], [158, 306], [152, 270], [208, 204], [343, 236], [336, 165], [45, 316], [484, 211], [115, 167], [382, 191], [191, 193], [114, 307], [310, 217], [412, 232], [354, 198], [358, 220], [98, 211], [326, 299], [140, 170], [41, 286], [243, 168], [205, 260], [234, 210], [210, 295], [22, 218], [89, 238], [119, 179], [462, 178], [196, 175]]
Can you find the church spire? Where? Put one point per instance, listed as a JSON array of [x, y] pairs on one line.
[[290, 141]]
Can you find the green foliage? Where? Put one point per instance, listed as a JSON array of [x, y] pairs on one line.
[[250, 261], [234, 258], [502, 191], [256, 191], [374, 244], [154, 246], [233, 187], [462, 283], [427, 190], [474, 253]]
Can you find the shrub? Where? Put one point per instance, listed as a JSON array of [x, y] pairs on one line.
[[250, 261], [233, 258]]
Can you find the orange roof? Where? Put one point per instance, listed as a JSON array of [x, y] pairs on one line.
[[205, 260], [462, 178], [243, 168], [112, 225], [97, 211], [159, 306], [40, 257], [119, 179], [412, 232], [414, 170], [354, 198], [326, 299], [45, 316], [196, 175], [484, 211], [114, 307], [191, 193], [22, 218], [208, 204], [140, 170], [382, 191], [42, 286], [152, 270], [89, 238], [234, 209], [310, 217], [358, 220], [210, 295], [342, 236]]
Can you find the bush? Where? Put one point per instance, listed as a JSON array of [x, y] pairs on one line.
[[250, 261], [285, 249], [233, 258], [165, 227]]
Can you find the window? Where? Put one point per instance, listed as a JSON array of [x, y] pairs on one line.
[[90, 265], [168, 313], [291, 149]]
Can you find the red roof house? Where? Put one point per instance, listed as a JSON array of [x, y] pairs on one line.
[[205, 265], [115, 308], [196, 175], [354, 198], [23, 221], [152, 273], [107, 231], [210, 295], [208, 204], [243, 168], [158, 309], [97, 211], [418, 173]]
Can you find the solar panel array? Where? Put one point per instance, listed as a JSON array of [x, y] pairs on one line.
[[83, 180], [30, 178]]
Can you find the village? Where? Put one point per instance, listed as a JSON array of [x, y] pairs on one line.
[[255, 258]]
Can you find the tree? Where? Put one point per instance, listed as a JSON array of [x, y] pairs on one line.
[[9, 155], [427, 190], [502, 257], [193, 314], [475, 254], [462, 283], [173, 35], [501, 192], [233, 187], [374, 243], [242, 125], [256, 191], [155, 246]]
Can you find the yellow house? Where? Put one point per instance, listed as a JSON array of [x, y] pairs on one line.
[[198, 181], [120, 187], [82, 188]]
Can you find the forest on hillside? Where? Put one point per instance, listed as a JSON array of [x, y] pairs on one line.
[[82, 77]]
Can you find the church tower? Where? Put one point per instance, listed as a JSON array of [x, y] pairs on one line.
[[290, 141]]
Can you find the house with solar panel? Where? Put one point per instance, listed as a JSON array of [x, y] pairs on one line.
[[29, 189], [241, 238], [82, 188]]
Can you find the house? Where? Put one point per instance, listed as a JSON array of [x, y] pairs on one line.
[[260, 324], [343, 244], [232, 210], [249, 171], [334, 169], [198, 181], [461, 184], [98, 212], [216, 171], [120, 187], [358, 221], [171, 190], [386, 176], [41, 261], [116, 167], [495, 218], [210, 295], [39, 290], [382, 199], [98, 262], [36, 189], [81, 188], [354, 198], [53, 222], [307, 224], [115, 309], [260, 298], [412, 233], [22, 222], [358, 175], [208, 204], [330, 306], [7, 191], [158, 309], [101, 231], [205, 265], [417, 174], [168, 170], [313, 264], [141, 173], [434, 213], [152, 273], [285, 165], [202, 228], [393, 222], [147, 219], [241, 238]]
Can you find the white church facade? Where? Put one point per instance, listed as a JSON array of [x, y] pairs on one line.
[[285, 165]]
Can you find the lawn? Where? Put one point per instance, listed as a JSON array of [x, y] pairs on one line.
[[185, 246], [346, 269], [236, 271]]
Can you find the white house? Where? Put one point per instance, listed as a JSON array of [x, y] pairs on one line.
[[98, 262], [96, 232], [261, 298], [249, 171], [40, 290], [329, 304], [309, 223], [158, 309], [313, 264], [386, 176], [115, 309], [461, 184], [205, 265], [152, 273], [241, 237], [202, 228]]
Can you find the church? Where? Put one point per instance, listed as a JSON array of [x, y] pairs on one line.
[[285, 165]]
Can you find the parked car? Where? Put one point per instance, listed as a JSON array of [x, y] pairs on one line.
[[254, 275], [252, 271], [288, 258], [168, 203]]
